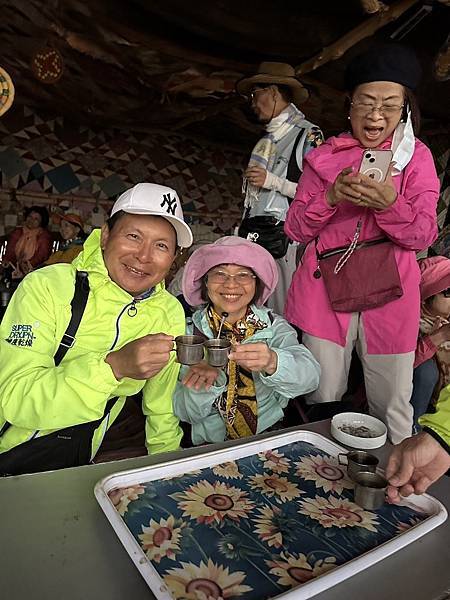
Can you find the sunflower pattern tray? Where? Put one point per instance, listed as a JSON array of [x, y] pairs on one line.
[[257, 521]]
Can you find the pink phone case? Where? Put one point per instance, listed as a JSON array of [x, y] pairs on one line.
[[375, 164]]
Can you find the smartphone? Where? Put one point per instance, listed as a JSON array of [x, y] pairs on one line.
[[375, 164]]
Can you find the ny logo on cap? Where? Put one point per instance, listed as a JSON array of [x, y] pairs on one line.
[[171, 203]]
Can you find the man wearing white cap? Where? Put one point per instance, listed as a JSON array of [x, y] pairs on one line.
[[78, 338]]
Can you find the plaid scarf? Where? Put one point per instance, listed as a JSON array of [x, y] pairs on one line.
[[238, 405], [264, 153]]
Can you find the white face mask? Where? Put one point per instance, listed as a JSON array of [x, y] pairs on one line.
[[403, 144]]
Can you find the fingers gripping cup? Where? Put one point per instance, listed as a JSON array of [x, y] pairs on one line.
[[189, 349], [217, 351]]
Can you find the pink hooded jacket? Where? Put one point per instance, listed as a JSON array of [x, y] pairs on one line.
[[435, 278], [410, 223]]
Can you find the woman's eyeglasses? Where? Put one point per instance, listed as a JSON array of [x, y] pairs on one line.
[[242, 278], [366, 108]]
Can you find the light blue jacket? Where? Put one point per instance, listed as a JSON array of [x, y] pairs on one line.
[[297, 373]]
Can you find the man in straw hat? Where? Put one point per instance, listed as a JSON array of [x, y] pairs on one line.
[[275, 164], [78, 338]]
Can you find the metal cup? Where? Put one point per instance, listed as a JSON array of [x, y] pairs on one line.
[[217, 351], [357, 461], [370, 490], [189, 349]]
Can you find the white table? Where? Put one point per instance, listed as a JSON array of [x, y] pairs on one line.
[[56, 543]]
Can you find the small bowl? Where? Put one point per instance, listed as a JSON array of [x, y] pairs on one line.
[[358, 420]]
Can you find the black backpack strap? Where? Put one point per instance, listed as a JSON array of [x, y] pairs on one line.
[[78, 305], [293, 171]]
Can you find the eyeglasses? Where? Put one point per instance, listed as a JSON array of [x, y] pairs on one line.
[[241, 278], [446, 293], [251, 95], [365, 108]]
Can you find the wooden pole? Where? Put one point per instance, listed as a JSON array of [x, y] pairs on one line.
[[365, 29]]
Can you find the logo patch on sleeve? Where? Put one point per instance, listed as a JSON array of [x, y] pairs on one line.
[[21, 335]]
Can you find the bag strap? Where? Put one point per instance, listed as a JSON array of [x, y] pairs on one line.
[[344, 258], [294, 171], [78, 305], [341, 249]]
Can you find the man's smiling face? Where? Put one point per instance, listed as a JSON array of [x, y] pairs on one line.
[[138, 251]]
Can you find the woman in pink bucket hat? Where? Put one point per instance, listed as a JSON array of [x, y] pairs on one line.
[[230, 280]]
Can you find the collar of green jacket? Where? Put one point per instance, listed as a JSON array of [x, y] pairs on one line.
[[91, 260]]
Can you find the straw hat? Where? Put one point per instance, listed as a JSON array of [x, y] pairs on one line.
[[274, 73], [6, 91]]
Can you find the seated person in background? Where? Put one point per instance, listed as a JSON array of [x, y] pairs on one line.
[[72, 232], [432, 361], [30, 245], [122, 345], [420, 460], [267, 365]]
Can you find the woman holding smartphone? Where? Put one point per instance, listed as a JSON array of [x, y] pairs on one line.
[[358, 282]]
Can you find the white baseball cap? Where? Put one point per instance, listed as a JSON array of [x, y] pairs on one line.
[[158, 200]]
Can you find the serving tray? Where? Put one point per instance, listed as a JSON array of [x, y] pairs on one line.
[[265, 519]]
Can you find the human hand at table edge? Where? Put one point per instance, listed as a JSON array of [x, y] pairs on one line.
[[414, 465], [142, 358], [201, 375]]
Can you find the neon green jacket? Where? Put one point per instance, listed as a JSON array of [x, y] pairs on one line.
[[36, 396], [438, 423]]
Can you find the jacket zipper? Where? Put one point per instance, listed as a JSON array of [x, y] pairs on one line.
[[132, 311]]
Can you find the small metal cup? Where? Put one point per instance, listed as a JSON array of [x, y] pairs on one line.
[[370, 490], [217, 351], [189, 349], [357, 461]]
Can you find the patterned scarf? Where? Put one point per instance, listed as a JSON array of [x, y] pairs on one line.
[[265, 151], [238, 405]]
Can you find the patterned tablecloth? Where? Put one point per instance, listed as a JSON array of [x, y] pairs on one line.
[[257, 526]]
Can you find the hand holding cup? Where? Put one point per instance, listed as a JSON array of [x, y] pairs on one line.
[[142, 358]]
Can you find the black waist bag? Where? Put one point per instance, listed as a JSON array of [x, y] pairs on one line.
[[266, 231], [69, 447]]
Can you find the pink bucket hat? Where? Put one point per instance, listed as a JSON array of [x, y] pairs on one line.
[[230, 250], [434, 275]]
